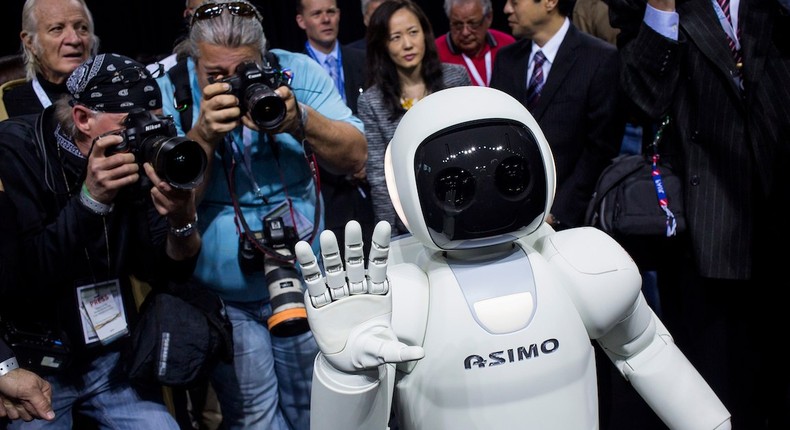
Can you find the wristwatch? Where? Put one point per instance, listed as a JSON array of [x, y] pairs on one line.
[[186, 230]]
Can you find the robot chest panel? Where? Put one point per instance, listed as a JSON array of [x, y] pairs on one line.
[[520, 371]]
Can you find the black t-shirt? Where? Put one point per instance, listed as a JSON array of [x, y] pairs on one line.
[[22, 99]]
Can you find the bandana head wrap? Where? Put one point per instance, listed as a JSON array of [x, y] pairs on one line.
[[114, 83]]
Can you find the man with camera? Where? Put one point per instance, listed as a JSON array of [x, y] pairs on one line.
[[100, 189], [262, 160]]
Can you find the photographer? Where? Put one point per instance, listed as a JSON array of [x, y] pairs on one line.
[[260, 166], [91, 209]]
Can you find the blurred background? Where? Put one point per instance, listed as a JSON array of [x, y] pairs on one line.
[[145, 29]]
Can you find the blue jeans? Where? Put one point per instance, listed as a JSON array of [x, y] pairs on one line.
[[268, 384], [102, 392]]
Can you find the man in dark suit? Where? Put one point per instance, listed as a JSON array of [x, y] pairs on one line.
[[345, 197], [578, 107], [722, 72], [320, 19]]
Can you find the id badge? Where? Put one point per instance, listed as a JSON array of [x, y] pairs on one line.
[[102, 310]]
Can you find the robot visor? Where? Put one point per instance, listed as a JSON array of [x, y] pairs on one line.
[[480, 180]]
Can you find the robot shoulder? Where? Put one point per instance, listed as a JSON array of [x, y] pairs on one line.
[[601, 278]]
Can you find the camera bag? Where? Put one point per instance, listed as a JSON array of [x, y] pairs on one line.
[[183, 332], [638, 200]]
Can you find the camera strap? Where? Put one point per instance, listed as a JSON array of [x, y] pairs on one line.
[[241, 222]]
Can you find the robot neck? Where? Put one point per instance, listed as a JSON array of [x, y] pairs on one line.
[[483, 254]]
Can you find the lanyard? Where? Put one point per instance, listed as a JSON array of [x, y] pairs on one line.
[[246, 158], [658, 183], [232, 148], [41, 94], [473, 70]]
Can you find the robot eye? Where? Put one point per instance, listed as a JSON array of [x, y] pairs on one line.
[[512, 176], [454, 188]]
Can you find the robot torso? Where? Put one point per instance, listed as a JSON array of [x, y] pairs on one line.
[[503, 343]]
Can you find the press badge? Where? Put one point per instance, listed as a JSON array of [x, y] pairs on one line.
[[103, 315]]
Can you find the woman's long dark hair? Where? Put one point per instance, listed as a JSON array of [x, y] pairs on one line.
[[381, 70]]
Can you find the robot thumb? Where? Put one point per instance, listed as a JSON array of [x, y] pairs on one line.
[[397, 352], [378, 346]]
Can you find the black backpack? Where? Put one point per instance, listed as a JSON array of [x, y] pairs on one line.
[[183, 332]]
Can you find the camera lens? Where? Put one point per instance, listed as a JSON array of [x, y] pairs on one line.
[[289, 315], [179, 161], [265, 106]]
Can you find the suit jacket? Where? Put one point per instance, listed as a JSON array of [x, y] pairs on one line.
[[354, 73], [354, 63], [731, 143], [578, 111]]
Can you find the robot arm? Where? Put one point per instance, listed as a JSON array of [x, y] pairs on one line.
[[350, 315], [359, 400], [645, 354]]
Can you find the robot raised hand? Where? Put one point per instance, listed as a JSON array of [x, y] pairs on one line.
[[350, 309], [486, 315]]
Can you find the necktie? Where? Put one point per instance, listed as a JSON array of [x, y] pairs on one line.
[[334, 72], [736, 54], [536, 81]]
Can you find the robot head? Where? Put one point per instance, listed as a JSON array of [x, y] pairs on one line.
[[473, 169]]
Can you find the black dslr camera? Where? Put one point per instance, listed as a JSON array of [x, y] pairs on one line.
[[153, 138], [254, 86], [289, 315]]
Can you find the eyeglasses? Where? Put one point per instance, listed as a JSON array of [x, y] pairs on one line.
[[473, 25], [213, 10]]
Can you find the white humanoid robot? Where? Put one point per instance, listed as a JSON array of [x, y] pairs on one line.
[[483, 319]]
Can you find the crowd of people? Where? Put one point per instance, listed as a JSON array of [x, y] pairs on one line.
[[82, 220]]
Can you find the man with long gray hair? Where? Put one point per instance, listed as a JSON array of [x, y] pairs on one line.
[[57, 36], [264, 119]]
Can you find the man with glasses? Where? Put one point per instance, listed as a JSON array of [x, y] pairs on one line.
[[87, 215], [471, 42], [260, 170]]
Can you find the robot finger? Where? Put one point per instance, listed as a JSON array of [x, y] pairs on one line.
[[377, 261], [316, 285], [355, 260], [333, 266]]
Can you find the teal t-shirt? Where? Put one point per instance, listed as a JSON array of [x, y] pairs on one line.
[[275, 170]]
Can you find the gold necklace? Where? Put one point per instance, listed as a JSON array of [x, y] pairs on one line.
[[407, 103]]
